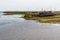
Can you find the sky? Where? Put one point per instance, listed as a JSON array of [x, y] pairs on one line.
[[29, 5]]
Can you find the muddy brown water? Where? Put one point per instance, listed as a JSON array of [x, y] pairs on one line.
[[13, 27]]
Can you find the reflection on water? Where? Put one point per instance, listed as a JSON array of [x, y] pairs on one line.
[[9, 19]]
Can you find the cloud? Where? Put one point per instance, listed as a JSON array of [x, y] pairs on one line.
[[29, 5]]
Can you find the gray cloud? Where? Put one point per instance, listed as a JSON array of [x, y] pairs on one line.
[[29, 5]]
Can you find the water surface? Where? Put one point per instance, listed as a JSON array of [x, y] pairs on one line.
[[12, 27]]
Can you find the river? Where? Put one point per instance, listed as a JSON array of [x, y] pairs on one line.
[[13, 27]]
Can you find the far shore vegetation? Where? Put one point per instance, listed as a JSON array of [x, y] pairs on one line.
[[13, 13], [44, 16]]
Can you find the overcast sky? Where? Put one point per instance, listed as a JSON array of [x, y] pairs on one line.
[[29, 5]]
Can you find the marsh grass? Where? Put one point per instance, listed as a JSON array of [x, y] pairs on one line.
[[49, 19]]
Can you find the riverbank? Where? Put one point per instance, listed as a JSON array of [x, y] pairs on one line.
[[44, 19], [47, 19]]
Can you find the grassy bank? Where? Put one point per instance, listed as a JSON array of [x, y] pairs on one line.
[[52, 19], [49, 19]]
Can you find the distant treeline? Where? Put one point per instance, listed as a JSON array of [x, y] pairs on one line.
[[24, 12], [17, 12], [14, 12]]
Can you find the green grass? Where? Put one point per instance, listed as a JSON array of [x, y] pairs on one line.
[[49, 19]]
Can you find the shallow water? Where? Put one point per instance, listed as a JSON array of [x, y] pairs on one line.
[[13, 27]]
